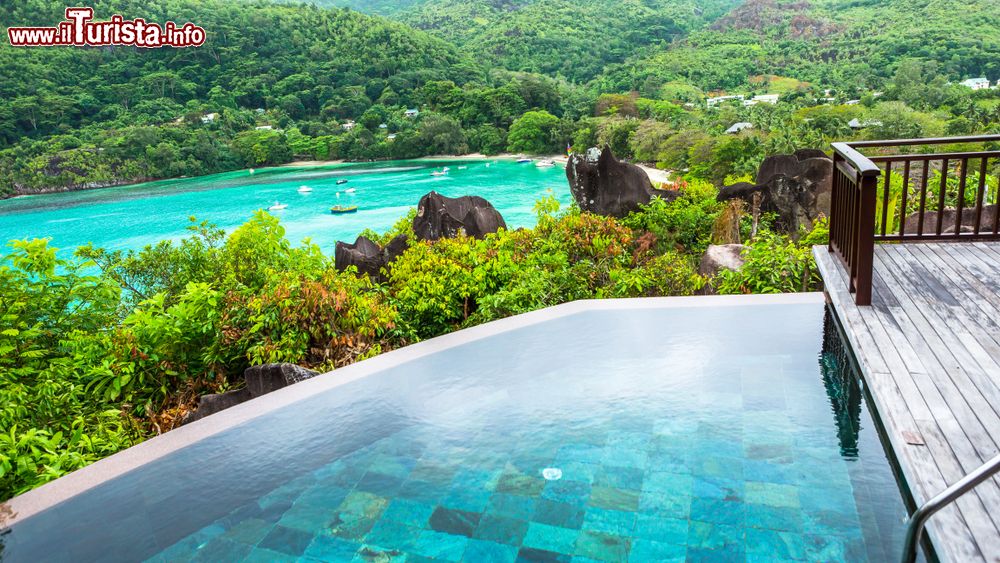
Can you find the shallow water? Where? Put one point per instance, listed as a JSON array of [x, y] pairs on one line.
[[698, 434], [134, 216]]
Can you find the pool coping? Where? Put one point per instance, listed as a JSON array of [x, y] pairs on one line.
[[49, 495]]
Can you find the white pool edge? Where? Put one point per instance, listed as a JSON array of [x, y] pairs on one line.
[[37, 500]]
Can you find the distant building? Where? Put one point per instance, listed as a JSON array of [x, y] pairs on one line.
[[265, 128], [260, 110], [738, 127], [852, 102], [762, 99], [348, 125], [857, 124], [976, 83], [411, 113], [209, 118], [383, 126], [712, 102], [390, 136]]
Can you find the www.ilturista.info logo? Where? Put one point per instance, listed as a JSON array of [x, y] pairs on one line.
[[79, 30]]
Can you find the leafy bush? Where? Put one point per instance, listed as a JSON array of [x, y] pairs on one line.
[[774, 264]]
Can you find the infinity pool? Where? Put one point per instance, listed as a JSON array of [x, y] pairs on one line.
[[718, 429]]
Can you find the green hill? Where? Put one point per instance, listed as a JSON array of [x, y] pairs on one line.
[[846, 44]]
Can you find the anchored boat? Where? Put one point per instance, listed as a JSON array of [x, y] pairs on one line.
[[340, 209]]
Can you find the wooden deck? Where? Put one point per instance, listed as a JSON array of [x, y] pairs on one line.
[[929, 352]]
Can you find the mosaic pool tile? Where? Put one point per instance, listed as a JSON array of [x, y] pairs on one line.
[[619, 477], [772, 494], [532, 555], [515, 506], [501, 529], [467, 498], [380, 484], [409, 512], [438, 545], [332, 548], [774, 518], [784, 545], [515, 482], [602, 546], [287, 540], [261, 555], [489, 552], [668, 483], [550, 538], [706, 486], [249, 531], [617, 522], [644, 551], [221, 549], [564, 490], [453, 521], [614, 499], [395, 534], [659, 504], [562, 514], [657, 528]]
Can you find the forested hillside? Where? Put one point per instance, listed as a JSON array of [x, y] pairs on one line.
[[851, 45]]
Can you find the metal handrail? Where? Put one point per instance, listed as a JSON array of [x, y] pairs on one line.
[[915, 528]]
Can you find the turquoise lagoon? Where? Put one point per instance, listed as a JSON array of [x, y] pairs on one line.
[[132, 217]]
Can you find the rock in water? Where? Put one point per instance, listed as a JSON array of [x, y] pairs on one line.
[[368, 257], [604, 185], [445, 217], [795, 186], [270, 377]]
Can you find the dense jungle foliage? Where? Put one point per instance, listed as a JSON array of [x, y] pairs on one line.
[[276, 83]]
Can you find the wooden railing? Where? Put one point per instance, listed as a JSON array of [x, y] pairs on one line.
[[910, 190]]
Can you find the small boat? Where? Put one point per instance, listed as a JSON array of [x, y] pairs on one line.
[[339, 182], [523, 160], [487, 164], [462, 167], [277, 206], [439, 172], [305, 189], [338, 209], [251, 171], [349, 191], [545, 163]]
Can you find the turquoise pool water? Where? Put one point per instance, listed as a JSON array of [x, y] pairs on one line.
[[656, 434], [134, 216]]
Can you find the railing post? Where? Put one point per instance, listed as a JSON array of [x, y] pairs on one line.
[[834, 202], [865, 239]]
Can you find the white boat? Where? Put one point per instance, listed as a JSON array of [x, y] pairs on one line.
[[545, 163], [277, 206], [441, 172], [523, 160], [305, 189], [462, 167], [251, 170], [349, 191], [487, 164]]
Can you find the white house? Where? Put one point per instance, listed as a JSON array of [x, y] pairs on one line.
[[712, 102], [852, 102], [737, 127], [390, 136], [383, 126], [762, 99], [348, 125], [411, 113], [265, 128], [857, 124], [976, 83], [209, 118]]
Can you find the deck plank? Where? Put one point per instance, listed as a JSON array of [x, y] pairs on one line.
[[929, 350]]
